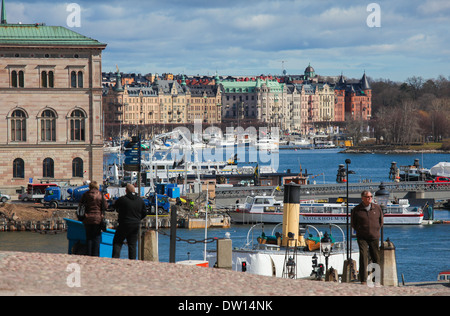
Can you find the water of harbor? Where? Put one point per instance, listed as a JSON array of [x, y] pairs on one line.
[[321, 164], [421, 251]]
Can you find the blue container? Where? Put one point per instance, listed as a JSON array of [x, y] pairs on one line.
[[174, 193], [77, 234]]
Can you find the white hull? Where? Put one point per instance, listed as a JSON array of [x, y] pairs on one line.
[[271, 262], [311, 218]]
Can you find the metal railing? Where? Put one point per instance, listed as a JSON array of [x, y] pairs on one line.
[[339, 188]]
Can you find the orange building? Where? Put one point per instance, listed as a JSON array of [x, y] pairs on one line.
[[355, 97]]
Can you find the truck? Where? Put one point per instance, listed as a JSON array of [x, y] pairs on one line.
[[163, 204], [35, 192], [64, 197]]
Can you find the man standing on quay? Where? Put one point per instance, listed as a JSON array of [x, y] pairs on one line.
[[367, 220], [131, 209]]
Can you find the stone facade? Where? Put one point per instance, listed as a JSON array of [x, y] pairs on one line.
[[302, 104], [51, 106], [162, 102]]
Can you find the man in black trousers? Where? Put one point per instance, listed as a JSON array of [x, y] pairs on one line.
[[367, 220], [131, 209]]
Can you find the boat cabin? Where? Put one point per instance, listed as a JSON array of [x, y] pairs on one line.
[[444, 276], [257, 204]]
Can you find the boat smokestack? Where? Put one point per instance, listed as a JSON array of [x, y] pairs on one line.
[[291, 212]]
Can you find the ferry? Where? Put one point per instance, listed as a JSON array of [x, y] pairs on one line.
[[266, 209]]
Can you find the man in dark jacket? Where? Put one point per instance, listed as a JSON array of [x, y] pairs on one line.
[[131, 209], [367, 219]]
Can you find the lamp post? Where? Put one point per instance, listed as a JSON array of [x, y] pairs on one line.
[[349, 265], [382, 196], [325, 245], [347, 162]]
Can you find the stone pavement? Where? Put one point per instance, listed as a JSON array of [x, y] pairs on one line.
[[31, 274]]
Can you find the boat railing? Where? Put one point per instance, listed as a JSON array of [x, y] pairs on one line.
[[337, 245], [251, 241]]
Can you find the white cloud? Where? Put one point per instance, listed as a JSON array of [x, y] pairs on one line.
[[432, 7], [253, 36]]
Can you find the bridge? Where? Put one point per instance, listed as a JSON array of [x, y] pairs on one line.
[[411, 190]]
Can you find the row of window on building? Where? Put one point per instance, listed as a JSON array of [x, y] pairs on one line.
[[47, 79], [48, 168], [47, 126]]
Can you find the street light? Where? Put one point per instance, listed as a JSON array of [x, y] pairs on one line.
[[382, 196], [349, 266], [347, 162], [325, 245]]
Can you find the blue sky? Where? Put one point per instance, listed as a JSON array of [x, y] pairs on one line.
[[249, 37]]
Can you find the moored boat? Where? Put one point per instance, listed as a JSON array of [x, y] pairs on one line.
[[266, 209]]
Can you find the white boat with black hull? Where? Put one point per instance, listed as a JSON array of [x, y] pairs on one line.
[[266, 209]]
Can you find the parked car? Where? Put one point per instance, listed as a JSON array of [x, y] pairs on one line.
[[4, 197]]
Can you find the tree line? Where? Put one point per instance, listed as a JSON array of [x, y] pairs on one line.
[[415, 111]]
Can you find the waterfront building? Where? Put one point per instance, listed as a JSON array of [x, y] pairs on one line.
[[357, 97], [255, 101], [204, 102], [303, 103], [51, 105], [163, 102]]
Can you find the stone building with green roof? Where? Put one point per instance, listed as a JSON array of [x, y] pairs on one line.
[[260, 101], [51, 105]]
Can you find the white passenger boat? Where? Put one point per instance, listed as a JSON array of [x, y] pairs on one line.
[[266, 209]]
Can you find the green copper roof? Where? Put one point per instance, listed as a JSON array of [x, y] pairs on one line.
[[39, 34]]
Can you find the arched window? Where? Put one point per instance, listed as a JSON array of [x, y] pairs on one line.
[[77, 168], [44, 79], [47, 79], [48, 168], [77, 126], [21, 79], [17, 79], [48, 126], [18, 126], [80, 79], [73, 79], [51, 79], [18, 168], [14, 79], [76, 79]]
